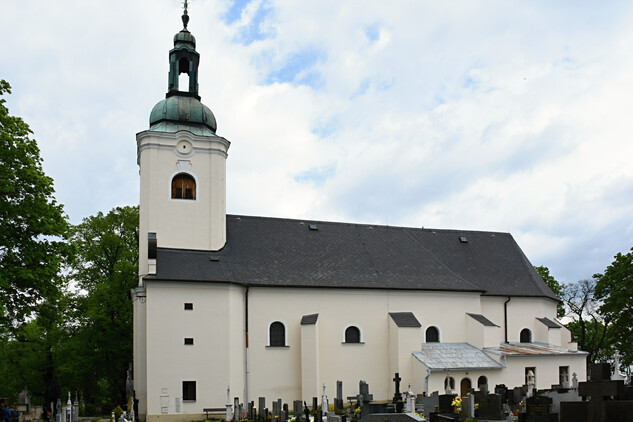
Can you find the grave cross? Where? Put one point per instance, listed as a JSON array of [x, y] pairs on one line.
[[600, 391], [397, 397], [397, 380]]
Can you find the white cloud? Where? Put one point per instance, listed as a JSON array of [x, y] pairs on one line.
[[473, 115]]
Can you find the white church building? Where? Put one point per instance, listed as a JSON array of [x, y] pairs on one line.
[[275, 308]]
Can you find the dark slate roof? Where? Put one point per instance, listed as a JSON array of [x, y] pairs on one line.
[[309, 319], [405, 319], [483, 320], [286, 253], [548, 322]]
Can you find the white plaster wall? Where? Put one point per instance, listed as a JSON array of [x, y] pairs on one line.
[[546, 369], [180, 223], [337, 309], [215, 361], [140, 354]]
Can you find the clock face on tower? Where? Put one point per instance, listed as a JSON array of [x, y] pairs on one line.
[[184, 148]]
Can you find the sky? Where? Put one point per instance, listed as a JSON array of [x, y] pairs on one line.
[[473, 115]]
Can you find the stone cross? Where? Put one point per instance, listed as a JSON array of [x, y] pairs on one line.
[[616, 367]]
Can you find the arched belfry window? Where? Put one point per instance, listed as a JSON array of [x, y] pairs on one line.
[[526, 336], [183, 186], [277, 334], [183, 67], [432, 335], [352, 334]]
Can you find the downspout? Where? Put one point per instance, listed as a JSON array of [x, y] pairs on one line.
[[248, 370], [505, 317], [426, 380]]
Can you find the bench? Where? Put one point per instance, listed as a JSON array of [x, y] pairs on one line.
[[208, 410]]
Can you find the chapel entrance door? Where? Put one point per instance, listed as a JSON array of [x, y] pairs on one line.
[[464, 387]]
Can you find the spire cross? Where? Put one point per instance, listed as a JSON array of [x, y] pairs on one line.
[[185, 15]]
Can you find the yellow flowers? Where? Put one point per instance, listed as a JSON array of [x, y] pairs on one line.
[[457, 403]]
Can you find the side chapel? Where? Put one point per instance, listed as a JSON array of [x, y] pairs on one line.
[[275, 307]]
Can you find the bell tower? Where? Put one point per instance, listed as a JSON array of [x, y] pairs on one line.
[[182, 164]]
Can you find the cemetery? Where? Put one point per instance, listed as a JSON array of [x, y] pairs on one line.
[[607, 397]]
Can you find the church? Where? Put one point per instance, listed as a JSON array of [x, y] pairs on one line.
[[276, 308]]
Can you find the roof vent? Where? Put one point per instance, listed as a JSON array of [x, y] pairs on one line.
[[463, 239], [313, 227], [214, 258]]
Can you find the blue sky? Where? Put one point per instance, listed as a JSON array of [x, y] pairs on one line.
[[474, 115]]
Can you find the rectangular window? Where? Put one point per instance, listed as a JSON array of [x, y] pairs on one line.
[[188, 341], [188, 306], [563, 376], [189, 390]]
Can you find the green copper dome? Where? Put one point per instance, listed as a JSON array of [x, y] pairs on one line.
[[182, 113], [182, 109]]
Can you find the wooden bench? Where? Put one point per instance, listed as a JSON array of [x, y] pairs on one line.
[[208, 410]]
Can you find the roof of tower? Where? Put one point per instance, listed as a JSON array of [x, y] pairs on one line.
[[182, 109], [182, 113]]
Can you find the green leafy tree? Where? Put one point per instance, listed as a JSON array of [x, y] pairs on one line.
[[553, 284], [104, 270], [615, 289], [33, 225], [591, 330]]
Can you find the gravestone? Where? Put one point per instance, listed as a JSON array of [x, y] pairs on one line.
[[502, 390], [538, 409], [429, 403], [490, 408], [397, 396], [315, 404], [236, 408], [338, 401], [446, 403], [297, 409], [331, 417], [468, 407], [577, 411], [284, 413], [276, 409], [261, 405]]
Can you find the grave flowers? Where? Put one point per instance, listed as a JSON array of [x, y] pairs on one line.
[[457, 404]]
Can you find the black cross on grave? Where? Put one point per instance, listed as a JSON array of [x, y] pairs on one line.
[[397, 397], [599, 392]]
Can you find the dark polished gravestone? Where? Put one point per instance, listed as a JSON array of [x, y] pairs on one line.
[[537, 409], [446, 403], [490, 408]]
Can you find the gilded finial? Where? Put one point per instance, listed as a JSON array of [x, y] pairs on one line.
[[185, 16]]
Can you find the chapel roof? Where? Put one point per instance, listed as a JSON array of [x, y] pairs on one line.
[[278, 252]]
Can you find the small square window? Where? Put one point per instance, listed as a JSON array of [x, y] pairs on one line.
[[188, 306], [189, 341], [189, 390]]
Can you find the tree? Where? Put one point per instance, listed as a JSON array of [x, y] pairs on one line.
[[33, 225], [589, 327], [553, 284], [615, 289], [105, 269]]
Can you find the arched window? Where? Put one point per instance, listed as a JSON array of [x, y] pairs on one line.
[[526, 336], [183, 186], [481, 381], [352, 334], [432, 335], [277, 334]]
